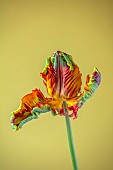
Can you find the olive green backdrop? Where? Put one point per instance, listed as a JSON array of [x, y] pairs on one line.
[[29, 32]]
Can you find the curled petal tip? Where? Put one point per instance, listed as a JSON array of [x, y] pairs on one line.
[[97, 76], [92, 83], [31, 106]]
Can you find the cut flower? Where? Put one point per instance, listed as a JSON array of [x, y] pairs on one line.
[[62, 79]]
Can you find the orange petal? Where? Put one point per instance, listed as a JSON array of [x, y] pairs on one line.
[[92, 83], [62, 77], [25, 112]]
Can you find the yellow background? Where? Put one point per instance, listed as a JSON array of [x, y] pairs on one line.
[[29, 32]]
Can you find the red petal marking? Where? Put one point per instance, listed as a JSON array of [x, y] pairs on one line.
[[71, 81], [74, 109], [62, 81], [29, 101]]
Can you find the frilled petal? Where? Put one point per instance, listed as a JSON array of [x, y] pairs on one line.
[[62, 77], [92, 83], [31, 106]]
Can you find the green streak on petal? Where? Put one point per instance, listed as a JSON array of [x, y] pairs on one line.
[[68, 59], [46, 66], [27, 120], [52, 59], [36, 100], [63, 62], [25, 113], [55, 63]]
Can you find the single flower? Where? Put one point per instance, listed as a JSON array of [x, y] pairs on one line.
[[62, 79]]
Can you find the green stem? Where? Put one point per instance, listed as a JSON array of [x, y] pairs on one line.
[[70, 138]]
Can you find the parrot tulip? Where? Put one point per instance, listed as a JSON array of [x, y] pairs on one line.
[[62, 79]]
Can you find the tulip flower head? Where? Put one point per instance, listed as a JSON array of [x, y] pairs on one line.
[[62, 79]]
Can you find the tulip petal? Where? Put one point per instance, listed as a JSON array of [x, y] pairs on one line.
[[31, 106], [71, 82], [92, 83], [62, 77]]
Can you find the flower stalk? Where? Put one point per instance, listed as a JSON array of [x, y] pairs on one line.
[[70, 138]]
